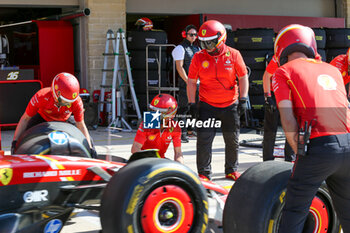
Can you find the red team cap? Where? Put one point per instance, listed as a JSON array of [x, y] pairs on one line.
[[165, 104], [294, 38], [66, 87]]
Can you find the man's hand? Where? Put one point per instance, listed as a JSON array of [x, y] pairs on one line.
[[242, 105], [13, 146], [270, 104], [193, 109]]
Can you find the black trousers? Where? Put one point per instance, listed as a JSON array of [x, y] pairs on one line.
[[327, 159], [183, 106], [271, 120], [230, 129]]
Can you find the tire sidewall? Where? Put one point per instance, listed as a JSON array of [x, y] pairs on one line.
[[121, 210]]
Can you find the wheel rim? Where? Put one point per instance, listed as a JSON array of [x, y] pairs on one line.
[[318, 218], [167, 209]]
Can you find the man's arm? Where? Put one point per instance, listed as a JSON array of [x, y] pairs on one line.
[[289, 123], [243, 85], [22, 125], [82, 127], [181, 70], [178, 157], [191, 90], [267, 83], [136, 147]]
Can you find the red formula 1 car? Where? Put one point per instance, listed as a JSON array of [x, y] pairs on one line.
[[143, 195]]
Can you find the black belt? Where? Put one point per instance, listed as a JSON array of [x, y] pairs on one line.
[[342, 139]]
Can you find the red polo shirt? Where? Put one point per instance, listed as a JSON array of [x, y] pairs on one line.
[[317, 92], [44, 104], [218, 76], [341, 62], [272, 66], [157, 139]]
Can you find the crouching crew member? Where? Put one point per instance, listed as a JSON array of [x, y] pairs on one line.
[[55, 103], [160, 138], [316, 120]]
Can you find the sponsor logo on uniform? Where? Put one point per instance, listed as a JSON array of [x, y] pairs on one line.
[[6, 175], [74, 95], [54, 226], [35, 196], [327, 82], [205, 64], [204, 32], [151, 120], [151, 137], [228, 53]]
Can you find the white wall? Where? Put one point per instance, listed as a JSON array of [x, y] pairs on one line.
[[312, 8]]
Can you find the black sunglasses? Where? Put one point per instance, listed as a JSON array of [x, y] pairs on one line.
[[192, 34]]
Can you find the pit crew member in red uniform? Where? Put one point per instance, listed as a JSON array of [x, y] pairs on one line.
[[218, 67], [342, 63], [271, 117], [160, 138], [312, 102], [55, 103]]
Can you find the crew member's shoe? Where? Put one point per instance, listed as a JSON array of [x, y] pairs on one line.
[[203, 177], [184, 138], [233, 175], [192, 134]]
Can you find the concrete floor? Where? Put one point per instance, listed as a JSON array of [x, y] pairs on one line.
[[119, 144]]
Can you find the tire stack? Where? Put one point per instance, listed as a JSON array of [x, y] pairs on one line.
[[256, 47], [320, 35], [337, 42], [137, 42]]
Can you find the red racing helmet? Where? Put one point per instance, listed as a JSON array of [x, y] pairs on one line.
[[146, 23], [165, 104], [295, 38], [65, 87], [84, 94], [212, 34]]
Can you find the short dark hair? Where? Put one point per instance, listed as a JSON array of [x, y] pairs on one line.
[[189, 27]]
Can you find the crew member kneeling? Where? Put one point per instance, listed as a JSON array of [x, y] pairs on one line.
[[55, 103], [160, 138]]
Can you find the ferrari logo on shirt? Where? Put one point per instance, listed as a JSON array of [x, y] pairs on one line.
[[327, 82], [228, 53], [171, 130], [6, 175], [204, 32], [205, 64], [151, 137]]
